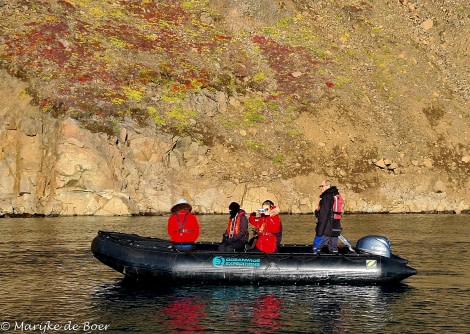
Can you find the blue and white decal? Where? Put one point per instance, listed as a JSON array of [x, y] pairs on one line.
[[220, 261]]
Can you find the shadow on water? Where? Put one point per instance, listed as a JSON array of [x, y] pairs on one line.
[[255, 309]]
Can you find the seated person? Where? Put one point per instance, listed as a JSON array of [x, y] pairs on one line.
[[236, 234], [183, 227], [268, 226]]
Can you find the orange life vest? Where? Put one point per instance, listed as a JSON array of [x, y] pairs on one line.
[[233, 226]]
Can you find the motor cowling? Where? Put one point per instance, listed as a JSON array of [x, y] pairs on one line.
[[374, 244]]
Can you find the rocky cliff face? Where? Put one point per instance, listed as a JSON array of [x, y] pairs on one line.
[[55, 167], [123, 107]]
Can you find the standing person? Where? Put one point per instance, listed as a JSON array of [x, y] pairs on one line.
[[328, 227], [268, 226], [183, 227], [236, 234]]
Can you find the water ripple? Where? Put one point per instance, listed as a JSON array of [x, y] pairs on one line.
[[48, 274]]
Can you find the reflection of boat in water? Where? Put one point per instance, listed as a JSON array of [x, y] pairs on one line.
[[129, 305], [155, 260]]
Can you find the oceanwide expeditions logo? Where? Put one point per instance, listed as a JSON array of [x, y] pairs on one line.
[[220, 261]]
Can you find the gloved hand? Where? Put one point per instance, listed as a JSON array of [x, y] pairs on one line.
[[317, 213]]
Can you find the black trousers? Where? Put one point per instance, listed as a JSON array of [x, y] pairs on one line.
[[229, 246]]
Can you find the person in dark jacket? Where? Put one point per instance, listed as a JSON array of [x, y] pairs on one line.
[[327, 229], [236, 234]]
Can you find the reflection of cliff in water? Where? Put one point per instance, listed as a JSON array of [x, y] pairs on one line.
[[333, 309]]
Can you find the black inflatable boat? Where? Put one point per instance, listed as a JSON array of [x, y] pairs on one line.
[[156, 261]]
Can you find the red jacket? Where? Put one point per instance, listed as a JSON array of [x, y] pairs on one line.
[[268, 227], [183, 227]]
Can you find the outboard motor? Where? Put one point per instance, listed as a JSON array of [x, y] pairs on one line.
[[374, 244]]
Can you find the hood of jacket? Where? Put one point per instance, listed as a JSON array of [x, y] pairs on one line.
[[274, 211], [330, 191]]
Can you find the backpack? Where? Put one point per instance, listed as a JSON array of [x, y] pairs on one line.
[[338, 206]]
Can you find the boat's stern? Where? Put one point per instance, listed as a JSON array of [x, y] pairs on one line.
[[393, 267], [393, 270]]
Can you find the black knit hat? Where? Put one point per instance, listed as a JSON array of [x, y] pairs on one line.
[[234, 206], [269, 202]]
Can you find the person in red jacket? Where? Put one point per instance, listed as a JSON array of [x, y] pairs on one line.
[[183, 227], [236, 234], [268, 227]]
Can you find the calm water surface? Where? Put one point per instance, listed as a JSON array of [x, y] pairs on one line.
[[50, 283]]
